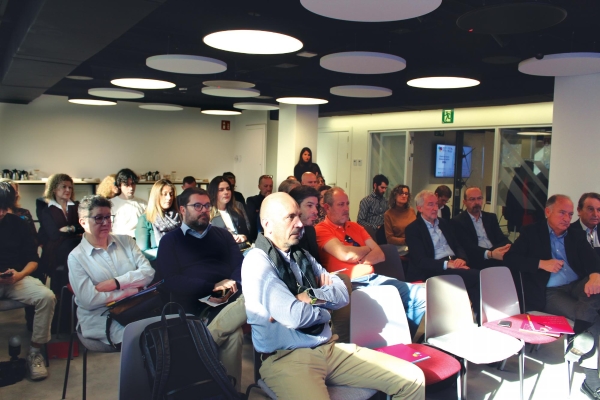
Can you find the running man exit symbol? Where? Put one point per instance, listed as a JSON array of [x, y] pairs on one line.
[[448, 116]]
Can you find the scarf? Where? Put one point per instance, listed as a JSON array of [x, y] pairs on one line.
[[287, 276], [164, 225]]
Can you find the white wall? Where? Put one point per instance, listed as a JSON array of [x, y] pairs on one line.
[[248, 153], [480, 117]]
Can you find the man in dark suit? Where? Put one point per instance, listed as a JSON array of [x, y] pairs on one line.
[[479, 232], [308, 200], [434, 250], [253, 203], [588, 209], [443, 194], [561, 275]]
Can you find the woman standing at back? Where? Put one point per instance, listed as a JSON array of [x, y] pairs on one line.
[[305, 164]]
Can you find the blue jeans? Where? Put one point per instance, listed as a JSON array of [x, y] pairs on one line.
[[413, 296]]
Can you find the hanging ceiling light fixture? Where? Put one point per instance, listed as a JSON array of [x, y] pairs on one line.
[[253, 42]]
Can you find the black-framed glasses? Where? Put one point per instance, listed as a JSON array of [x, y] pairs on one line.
[[348, 239], [403, 194], [199, 206], [101, 219]]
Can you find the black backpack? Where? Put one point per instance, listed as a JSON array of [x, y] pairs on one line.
[[182, 360]]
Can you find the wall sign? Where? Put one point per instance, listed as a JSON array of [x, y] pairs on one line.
[[448, 116], [225, 125]]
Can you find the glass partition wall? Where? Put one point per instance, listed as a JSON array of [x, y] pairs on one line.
[[388, 157]]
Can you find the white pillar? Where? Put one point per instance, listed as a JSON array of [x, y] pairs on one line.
[[297, 129], [575, 156]]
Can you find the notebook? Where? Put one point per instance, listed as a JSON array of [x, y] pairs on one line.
[[404, 352]]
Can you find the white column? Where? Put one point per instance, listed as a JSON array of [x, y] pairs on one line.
[[297, 129], [575, 156]]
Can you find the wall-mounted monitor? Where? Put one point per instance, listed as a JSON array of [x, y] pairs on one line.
[[444, 161]]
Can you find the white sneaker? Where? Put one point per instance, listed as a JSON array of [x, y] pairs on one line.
[[36, 365]]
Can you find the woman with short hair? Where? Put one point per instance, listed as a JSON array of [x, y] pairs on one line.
[[398, 217], [225, 213]]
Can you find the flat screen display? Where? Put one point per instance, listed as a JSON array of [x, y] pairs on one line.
[[444, 161]]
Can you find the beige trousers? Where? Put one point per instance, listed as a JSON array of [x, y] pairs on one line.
[[226, 330], [33, 292], [302, 373]]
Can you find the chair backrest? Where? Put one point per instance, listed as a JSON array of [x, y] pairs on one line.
[[498, 294], [133, 379], [377, 317], [392, 266], [448, 307]]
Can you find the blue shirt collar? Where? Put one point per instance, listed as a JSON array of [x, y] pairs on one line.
[[185, 229], [555, 235]]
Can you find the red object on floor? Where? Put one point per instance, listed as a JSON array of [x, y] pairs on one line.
[[61, 350]]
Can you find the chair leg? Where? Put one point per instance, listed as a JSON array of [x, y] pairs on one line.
[[570, 372], [85, 351], [459, 378], [521, 368], [68, 365], [502, 365], [464, 382]]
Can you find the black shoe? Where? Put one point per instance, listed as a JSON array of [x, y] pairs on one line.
[[580, 345], [593, 394]]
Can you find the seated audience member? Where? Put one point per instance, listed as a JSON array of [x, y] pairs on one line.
[[479, 233], [104, 267], [288, 185], [588, 208], [188, 182], [346, 246], [398, 217], [199, 260], [305, 164], [309, 179], [443, 194], [372, 207], [59, 225], [126, 207], [265, 186], [161, 217], [292, 177], [22, 213], [236, 195], [224, 213], [322, 214], [320, 180], [108, 187], [288, 298], [434, 249], [18, 258], [561, 275]]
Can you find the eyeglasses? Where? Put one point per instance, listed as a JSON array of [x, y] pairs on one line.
[[348, 239], [101, 219], [403, 194], [199, 206]]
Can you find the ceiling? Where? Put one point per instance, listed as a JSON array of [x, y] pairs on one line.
[[42, 41]]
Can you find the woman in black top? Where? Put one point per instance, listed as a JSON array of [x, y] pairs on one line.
[[305, 164], [225, 213]]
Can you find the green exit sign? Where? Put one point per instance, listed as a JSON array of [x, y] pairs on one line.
[[448, 116]]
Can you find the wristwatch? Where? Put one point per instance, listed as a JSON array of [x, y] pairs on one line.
[[311, 294]]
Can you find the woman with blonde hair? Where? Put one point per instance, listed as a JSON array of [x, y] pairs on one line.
[[397, 218], [161, 217], [108, 187]]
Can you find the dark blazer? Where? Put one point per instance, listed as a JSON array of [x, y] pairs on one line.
[[238, 221], [533, 245], [446, 213], [420, 245], [467, 235], [253, 204], [309, 242]]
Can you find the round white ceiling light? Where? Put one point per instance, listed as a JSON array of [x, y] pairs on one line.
[[92, 102], [221, 112], [229, 84], [160, 107], [360, 91], [253, 42], [363, 62], [186, 64], [371, 10], [140, 83], [442, 82], [305, 101], [114, 93], [256, 106], [562, 64], [230, 92]]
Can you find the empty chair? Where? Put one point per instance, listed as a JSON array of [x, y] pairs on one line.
[[449, 326], [378, 319], [392, 265]]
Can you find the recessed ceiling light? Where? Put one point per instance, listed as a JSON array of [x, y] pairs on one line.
[[160, 107], [371, 10], [92, 102], [306, 54], [79, 77], [139, 83], [442, 82], [115, 93], [534, 133], [229, 92], [253, 42], [360, 91], [229, 84], [301, 100], [186, 64], [220, 112], [363, 62], [256, 106]]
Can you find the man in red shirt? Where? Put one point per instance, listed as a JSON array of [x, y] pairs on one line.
[[346, 247]]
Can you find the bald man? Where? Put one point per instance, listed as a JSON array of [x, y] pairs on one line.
[[288, 298], [309, 179]]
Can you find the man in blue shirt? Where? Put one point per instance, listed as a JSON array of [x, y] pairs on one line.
[[288, 298], [561, 275]]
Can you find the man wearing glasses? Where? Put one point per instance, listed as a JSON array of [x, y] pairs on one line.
[[479, 232], [200, 260], [253, 203], [346, 247]]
